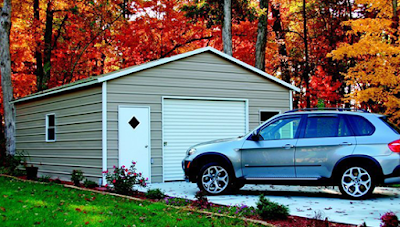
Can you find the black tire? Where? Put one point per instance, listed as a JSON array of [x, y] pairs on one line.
[[214, 179], [356, 182]]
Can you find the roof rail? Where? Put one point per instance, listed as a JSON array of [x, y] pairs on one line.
[[327, 108]]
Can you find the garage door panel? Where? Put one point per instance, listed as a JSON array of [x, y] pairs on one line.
[[189, 122]]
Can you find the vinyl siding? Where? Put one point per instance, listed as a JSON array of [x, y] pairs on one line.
[[202, 75], [78, 133]]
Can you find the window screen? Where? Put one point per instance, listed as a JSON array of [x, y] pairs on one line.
[[51, 127], [360, 125]]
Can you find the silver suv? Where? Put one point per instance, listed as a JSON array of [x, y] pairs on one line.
[[355, 150]]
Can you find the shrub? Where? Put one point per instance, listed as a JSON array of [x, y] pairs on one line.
[[9, 163], [44, 178], [202, 201], [390, 219], [77, 176], [123, 179], [155, 194], [89, 184], [270, 210], [57, 181]]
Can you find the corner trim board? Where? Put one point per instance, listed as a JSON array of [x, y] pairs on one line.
[[104, 128]]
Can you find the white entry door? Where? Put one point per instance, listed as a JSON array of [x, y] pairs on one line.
[[134, 138]]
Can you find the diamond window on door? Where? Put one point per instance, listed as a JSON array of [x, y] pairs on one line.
[[134, 122]]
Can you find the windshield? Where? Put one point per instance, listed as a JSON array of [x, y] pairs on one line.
[[394, 127]]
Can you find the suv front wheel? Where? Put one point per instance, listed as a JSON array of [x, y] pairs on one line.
[[356, 182], [214, 179]]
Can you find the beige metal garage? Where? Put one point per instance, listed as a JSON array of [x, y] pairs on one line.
[[150, 113]]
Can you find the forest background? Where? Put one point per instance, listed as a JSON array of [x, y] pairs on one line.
[[341, 53]]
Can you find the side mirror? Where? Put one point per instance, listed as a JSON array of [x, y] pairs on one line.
[[255, 136]]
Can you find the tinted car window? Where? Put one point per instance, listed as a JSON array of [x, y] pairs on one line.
[[344, 129], [321, 126], [390, 124], [285, 128], [360, 125]]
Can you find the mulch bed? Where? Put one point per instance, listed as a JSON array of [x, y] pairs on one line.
[[292, 221]]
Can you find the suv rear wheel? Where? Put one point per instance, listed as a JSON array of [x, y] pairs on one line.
[[357, 182], [214, 179]]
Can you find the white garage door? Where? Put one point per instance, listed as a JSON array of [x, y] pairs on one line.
[[189, 122]]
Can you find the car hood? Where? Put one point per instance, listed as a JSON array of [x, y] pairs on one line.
[[217, 141]]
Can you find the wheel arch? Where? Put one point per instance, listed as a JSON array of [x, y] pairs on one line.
[[363, 159], [209, 157]]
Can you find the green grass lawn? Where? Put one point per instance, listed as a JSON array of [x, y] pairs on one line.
[[31, 204]]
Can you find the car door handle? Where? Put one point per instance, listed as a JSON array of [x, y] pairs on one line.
[[346, 144], [288, 146]]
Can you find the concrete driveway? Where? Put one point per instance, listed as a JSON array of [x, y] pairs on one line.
[[303, 201]]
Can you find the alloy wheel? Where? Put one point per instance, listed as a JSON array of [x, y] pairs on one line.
[[356, 182], [215, 179]]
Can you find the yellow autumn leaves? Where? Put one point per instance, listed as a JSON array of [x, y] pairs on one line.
[[375, 57]]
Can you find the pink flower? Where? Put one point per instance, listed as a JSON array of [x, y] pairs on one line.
[[141, 181], [145, 184], [114, 181], [134, 174], [114, 166], [134, 163], [129, 173], [106, 185], [140, 174], [123, 167], [105, 171], [147, 178]]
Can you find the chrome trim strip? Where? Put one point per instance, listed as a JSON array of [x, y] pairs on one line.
[[283, 178]]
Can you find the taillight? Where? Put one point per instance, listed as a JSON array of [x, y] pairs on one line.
[[395, 146]]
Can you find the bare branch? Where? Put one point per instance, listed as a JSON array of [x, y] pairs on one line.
[[182, 44]]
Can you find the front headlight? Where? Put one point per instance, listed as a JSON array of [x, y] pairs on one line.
[[191, 151]]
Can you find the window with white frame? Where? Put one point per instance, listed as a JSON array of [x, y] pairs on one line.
[[267, 114], [50, 127]]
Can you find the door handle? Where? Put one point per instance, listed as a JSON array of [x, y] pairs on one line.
[[288, 146], [345, 144]]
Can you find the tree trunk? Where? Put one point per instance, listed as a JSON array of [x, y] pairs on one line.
[[227, 27], [6, 84], [306, 76], [47, 45], [395, 19], [38, 55], [262, 32], [280, 35]]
